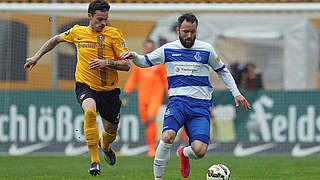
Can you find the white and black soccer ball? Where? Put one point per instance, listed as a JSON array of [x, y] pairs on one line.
[[218, 172]]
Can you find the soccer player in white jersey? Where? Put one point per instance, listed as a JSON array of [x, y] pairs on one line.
[[187, 63]]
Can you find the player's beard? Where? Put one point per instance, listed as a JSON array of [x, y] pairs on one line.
[[187, 44], [100, 28]]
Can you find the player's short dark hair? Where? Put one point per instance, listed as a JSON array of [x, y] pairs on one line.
[[101, 5], [189, 17]]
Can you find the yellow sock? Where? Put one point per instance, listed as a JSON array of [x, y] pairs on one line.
[[91, 133], [107, 139]]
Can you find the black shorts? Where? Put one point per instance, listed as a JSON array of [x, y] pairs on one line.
[[108, 102]]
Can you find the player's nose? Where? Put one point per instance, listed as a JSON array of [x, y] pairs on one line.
[[189, 35]]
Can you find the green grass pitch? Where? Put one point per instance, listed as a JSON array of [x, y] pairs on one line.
[[141, 168]]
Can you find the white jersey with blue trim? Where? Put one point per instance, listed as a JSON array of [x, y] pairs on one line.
[[187, 68]]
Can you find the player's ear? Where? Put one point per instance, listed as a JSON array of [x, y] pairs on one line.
[[90, 16], [177, 29]]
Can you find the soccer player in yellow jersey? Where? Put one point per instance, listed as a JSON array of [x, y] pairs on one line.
[[98, 49]]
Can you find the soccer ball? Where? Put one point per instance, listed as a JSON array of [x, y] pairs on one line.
[[218, 172]]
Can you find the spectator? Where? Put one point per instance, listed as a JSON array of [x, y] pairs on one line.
[[250, 79], [236, 70]]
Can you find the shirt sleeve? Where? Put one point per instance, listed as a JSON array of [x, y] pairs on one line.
[[154, 58], [215, 61], [68, 35], [119, 44], [228, 80], [224, 74]]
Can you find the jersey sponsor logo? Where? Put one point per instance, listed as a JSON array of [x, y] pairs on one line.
[[15, 150], [175, 55], [239, 150], [187, 69], [90, 45], [127, 151], [177, 69], [297, 151], [71, 150], [197, 56]]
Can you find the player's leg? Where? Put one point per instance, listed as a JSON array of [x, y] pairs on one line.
[[162, 155], [109, 134], [85, 97], [198, 131], [151, 128], [145, 119], [173, 120], [143, 111], [151, 136], [109, 105], [184, 160], [90, 128], [92, 134]]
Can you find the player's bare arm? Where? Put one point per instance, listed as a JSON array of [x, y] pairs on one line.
[[121, 65], [46, 47]]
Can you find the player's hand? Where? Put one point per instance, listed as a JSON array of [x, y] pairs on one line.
[[245, 104], [124, 97], [30, 63], [127, 55], [97, 63]]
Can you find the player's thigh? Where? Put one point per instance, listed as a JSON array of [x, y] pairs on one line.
[[143, 111], [174, 116], [170, 128], [108, 105], [85, 96], [154, 107], [198, 128]]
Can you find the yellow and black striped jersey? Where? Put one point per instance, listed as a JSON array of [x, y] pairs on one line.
[[107, 44]]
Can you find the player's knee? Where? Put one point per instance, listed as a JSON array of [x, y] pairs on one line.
[[167, 139], [199, 148], [108, 137], [200, 153], [168, 136]]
